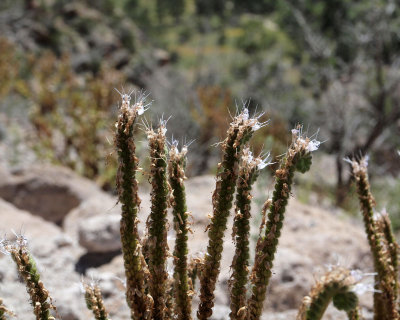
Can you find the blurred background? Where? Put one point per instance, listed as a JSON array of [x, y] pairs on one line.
[[333, 66]]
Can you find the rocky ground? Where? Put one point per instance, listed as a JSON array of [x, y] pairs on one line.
[[73, 231]]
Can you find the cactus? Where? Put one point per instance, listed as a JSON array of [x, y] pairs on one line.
[[298, 157], [152, 293], [135, 268], [337, 286], [248, 172], [176, 170], [382, 244], [239, 132], [26, 266], [157, 223], [94, 301]]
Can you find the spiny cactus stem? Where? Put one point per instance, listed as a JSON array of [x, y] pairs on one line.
[[386, 229], [127, 188], [385, 301], [176, 169], [94, 302], [157, 224], [27, 269], [266, 247], [248, 173], [298, 157], [239, 132], [334, 286]]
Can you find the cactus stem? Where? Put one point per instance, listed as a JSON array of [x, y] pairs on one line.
[[239, 132], [298, 158], [135, 268], [176, 169], [157, 223], [94, 301]]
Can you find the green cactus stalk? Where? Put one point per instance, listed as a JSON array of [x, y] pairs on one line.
[[385, 229], [298, 158], [26, 266], [336, 286], [94, 301], [248, 173], [157, 223], [135, 269], [239, 132], [176, 170], [385, 307]]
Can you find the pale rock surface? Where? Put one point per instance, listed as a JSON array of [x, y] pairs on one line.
[[47, 191], [95, 222], [100, 233]]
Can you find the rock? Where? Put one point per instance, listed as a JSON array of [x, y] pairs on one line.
[[44, 237], [106, 214], [100, 233], [47, 191], [99, 205]]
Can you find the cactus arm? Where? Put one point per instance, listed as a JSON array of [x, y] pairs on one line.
[[157, 224], [298, 158], [384, 301], [248, 173], [27, 269], [239, 132], [94, 302], [176, 167], [336, 286], [127, 188], [385, 227]]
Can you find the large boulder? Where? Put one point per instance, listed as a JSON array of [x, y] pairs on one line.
[[50, 192], [95, 222], [100, 233]]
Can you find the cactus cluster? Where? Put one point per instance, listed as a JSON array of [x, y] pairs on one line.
[[153, 293]]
